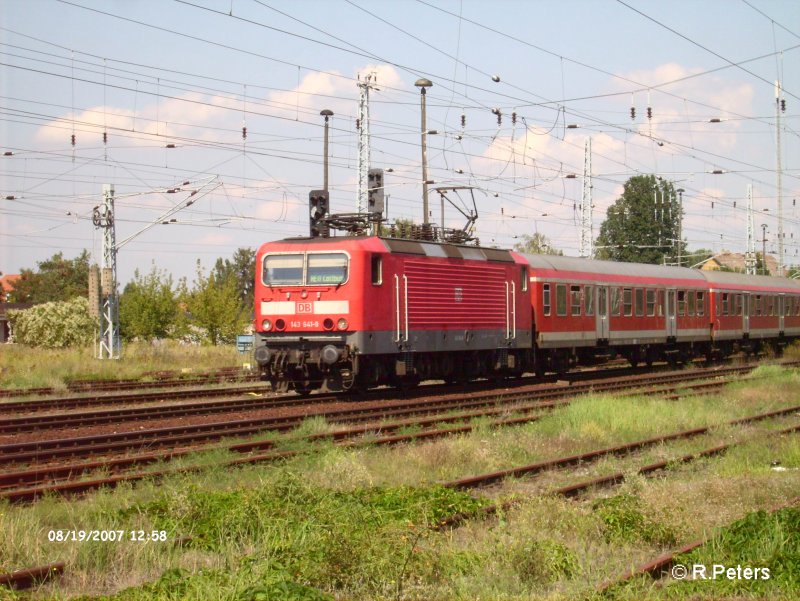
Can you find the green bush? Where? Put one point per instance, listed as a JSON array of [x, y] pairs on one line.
[[625, 522]]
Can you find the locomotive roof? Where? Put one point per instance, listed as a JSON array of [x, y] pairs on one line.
[[419, 247]]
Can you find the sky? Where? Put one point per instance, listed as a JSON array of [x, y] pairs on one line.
[[157, 92]]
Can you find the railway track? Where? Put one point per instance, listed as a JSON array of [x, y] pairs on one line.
[[28, 578], [162, 380], [661, 565], [574, 490], [94, 445], [37, 477], [160, 410]]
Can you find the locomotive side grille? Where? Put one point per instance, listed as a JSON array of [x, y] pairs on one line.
[[452, 295]]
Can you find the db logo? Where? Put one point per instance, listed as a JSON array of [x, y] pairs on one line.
[[305, 308]]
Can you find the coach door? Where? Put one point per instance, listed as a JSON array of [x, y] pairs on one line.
[[672, 326], [746, 313], [602, 313]]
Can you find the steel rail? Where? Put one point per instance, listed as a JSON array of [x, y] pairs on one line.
[[23, 579], [36, 451], [30, 477], [661, 564]]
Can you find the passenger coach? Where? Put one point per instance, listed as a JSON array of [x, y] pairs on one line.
[[585, 310]]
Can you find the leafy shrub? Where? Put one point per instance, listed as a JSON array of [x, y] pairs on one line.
[[54, 325], [624, 521], [543, 561]]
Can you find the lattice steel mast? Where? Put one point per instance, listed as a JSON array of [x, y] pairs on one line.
[[750, 261], [586, 244], [103, 218], [363, 141]]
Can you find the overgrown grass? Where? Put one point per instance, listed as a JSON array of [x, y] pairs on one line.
[[352, 523], [725, 567], [26, 367]]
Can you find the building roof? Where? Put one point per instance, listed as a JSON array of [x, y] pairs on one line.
[[7, 285], [735, 261]]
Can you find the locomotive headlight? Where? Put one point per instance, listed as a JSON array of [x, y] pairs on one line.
[[266, 325], [342, 323]]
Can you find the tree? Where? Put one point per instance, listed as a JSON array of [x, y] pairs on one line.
[[642, 225], [538, 244], [243, 270], [148, 306], [215, 308], [57, 279]]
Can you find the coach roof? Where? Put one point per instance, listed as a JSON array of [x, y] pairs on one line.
[[635, 270]]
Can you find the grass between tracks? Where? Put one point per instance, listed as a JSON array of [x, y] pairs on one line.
[[26, 367], [353, 523]]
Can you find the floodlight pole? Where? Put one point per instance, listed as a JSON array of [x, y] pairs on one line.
[[327, 114], [422, 84]]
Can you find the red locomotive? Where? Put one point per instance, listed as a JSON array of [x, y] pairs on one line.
[[366, 310], [370, 310]]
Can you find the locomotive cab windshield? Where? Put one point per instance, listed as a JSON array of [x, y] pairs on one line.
[[305, 269]]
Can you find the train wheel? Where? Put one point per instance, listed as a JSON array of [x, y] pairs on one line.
[[408, 383], [302, 381]]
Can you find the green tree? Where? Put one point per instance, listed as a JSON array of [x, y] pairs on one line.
[[214, 307], [56, 279], [242, 270], [642, 225], [148, 306], [538, 244]]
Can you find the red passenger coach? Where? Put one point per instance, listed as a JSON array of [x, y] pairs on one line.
[[749, 309], [585, 310], [354, 311]]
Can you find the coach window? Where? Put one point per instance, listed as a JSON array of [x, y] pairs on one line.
[[588, 297], [639, 302], [377, 270], [692, 298], [681, 302], [738, 304], [627, 302], [524, 277], [615, 301], [546, 299], [726, 301], [651, 303], [561, 299], [701, 303], [758, 305], [575, 299], [660, 303]]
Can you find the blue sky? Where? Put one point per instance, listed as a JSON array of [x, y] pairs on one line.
[[191, 74]]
